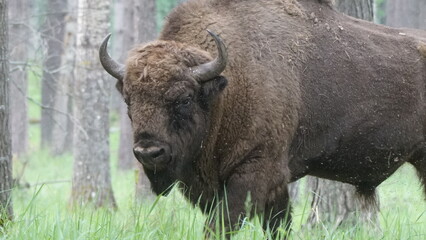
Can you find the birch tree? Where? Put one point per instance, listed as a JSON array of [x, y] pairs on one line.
[[125, 38], [362, 9], [5, 141], [19, 31], [91, 177], [53, 35], [62, 129]]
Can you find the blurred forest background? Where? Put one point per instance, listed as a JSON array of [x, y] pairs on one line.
[[70, 140]]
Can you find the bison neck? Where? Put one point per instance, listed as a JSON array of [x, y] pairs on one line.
[[200, 178]]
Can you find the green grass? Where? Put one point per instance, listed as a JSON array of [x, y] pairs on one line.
[[42, 212]]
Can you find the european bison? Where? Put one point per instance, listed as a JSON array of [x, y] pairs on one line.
[[294, 88]]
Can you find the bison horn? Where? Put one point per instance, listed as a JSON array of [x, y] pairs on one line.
[[207, 71], [112, 67]]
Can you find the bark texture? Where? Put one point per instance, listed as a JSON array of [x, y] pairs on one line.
[[125, 36], [362, 9], [293, 191], [335, 202], [126, 159], [91, 177], [53, 34], [19, 31], [5, 140], [146, 28], [62, 117], [406, 13], [146, 25]]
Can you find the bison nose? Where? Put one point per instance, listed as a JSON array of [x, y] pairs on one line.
[[153, 155]]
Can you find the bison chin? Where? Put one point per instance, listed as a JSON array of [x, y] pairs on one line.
[[162, 181]]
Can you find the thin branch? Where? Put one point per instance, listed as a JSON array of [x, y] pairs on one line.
[[70, 117], [49, 182]]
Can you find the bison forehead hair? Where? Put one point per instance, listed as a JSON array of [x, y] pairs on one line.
[[169, 90], [160, 63]]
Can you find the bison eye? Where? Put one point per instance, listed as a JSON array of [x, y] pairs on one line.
[[182, 110], [183, 105], [186, 101]]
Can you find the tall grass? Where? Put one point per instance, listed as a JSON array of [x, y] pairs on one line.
[[42, 212]]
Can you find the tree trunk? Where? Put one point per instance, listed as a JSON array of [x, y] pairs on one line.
[[126, 159], [53, 33], [293, 191], [406, 13], [5, 140], [146, 25], [91, 177], [145, 13], [362, 9], [63, 128], [19, 31], [124, 39], [336, 202]]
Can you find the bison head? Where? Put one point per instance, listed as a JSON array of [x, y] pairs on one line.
[[169, 88]]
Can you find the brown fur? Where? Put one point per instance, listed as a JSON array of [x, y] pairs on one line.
[[310, 91]]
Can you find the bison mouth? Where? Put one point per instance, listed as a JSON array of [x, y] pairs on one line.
[[158, 165]]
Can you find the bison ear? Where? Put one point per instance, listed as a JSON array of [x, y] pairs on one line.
[[210, 89], [119, 86]]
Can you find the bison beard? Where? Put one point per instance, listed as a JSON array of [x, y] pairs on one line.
[[305, 90], [161, 181]]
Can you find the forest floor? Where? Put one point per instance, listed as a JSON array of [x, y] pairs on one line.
[[42, 211]]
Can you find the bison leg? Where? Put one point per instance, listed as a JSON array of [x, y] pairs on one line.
[[421, 172], [232, 209], [277, 212], [248, 192], [418, 160]]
